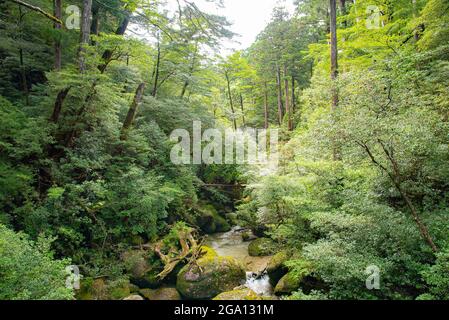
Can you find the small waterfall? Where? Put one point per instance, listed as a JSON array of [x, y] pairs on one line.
[[231, 244], [260, 284]]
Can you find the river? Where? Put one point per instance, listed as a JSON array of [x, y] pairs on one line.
[[231, 244]]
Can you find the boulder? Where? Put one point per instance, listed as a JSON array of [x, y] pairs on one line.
[[241, 294], [210, 276], [210, 221], [134, 297], [261, 247], [288, 284], [161, 294], [276, 268]]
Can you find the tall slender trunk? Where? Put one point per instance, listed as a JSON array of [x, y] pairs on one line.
[[132, 111], [57, 6], [266, 114], [228, 81], [243, 111], [23, 74], [293, 95], [287, 100], [85, 34], [334, 70], [158, 64], [279, 87], [191, 70]]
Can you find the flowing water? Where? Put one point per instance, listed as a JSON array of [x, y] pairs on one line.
[[231, 244]]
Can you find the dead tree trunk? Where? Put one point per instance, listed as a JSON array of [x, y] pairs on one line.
[[132, 110]]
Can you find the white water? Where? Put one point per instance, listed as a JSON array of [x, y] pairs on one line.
[[231, 244]]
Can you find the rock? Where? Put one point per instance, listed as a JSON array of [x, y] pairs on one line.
[[134, 297], [276, 268], [288, 284], [142, 269], [161, 294], [248, 236], [100, 289], [210, 221], [257, 265], [261, 247], [210, 276], [240, 294]]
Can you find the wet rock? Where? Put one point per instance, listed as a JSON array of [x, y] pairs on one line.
[[288, 284], [161, 294], [210, 221], [261, 247], [276, 268], [134, 297], [210, 276], [239, 294]]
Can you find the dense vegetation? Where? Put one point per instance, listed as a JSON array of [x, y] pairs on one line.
[[361, 99]]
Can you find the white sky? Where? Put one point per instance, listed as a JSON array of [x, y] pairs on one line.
[[249, 17]]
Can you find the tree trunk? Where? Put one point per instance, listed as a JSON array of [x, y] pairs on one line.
[[107, 55], [95, 26], [334, 68], [57, 6], [243, 111], [234, 121], [191, 70], [132, 110], [287, 100], [58, 105], [293, 96], [266, 106], [158, 64], [85, 34], [279, 87]]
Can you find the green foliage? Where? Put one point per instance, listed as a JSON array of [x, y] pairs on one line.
[[28, 270]]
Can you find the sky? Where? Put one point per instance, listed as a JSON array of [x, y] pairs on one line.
[[249, 17]]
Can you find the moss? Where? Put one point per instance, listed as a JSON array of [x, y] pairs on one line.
[[261, 247], [288, 284], [210, 276], [161, 294], [276, 268], [243, 294], [210, 221]]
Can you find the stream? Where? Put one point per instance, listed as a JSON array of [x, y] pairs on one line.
[[231, 244]]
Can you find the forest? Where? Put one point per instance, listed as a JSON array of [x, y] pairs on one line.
[[93, 207]]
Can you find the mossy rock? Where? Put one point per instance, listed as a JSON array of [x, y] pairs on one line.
[[161, 294], [288, 284], [261, 247], [276, 268], [100, 289], [242, 294], [142, 269], [248, 236], [210, 276], [210, 221], [134, 297]]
